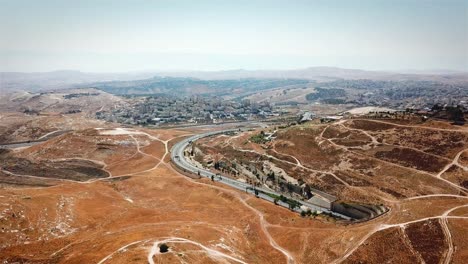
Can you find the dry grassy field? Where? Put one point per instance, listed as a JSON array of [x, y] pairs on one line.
[[417, 170], [140, 202]]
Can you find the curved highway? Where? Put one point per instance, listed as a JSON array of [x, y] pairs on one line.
[[178, 157]]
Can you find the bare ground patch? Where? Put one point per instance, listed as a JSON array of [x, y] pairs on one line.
[[413, 159], [428, 239], [386, 246]]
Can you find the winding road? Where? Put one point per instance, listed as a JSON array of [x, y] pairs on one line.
[[178, 157]]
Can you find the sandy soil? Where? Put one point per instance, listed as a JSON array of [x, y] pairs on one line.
[[459, 233], [145, 202], [417, 170]]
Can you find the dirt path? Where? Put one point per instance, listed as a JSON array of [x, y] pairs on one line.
[[298, 163], [442, 218], [263, 223], [102, 163], [165, 154], [292, 163], [436, 195], [448, 237], [372, 138], [120, 250], [460, 188], [48, 134], [351, 251], [453, 163], [138, 146], [42, 178], [138, 150], [215, 254], [375, 142], [413, 126], [408, 243]]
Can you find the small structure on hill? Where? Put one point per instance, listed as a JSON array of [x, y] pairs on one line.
[[331, 118], [307, 116]]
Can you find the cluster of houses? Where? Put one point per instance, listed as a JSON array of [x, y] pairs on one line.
[[157, 110]]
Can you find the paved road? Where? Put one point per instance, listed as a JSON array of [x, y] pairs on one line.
[[29, 143], [178, 157]]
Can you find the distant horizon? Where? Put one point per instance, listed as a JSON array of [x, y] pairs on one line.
[[403, 71], [209, 35]]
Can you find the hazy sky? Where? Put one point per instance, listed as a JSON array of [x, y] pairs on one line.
[[104, 36]]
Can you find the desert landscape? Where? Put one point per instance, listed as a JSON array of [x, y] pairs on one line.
[[255, 131], [102, 193]]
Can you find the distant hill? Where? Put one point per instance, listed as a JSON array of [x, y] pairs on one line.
[[179, 86], [314, 73], [17, 81], [323, 74], [39, 81], [67, 101]]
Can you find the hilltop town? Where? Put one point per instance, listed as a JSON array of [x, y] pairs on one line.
[[156, 110]]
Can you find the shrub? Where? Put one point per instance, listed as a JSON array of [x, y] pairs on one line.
[[163, 248], [259, 138]]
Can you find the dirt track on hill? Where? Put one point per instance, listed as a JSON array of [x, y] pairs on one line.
[[125, 219]]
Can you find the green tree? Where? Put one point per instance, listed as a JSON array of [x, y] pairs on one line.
[[455, 113]]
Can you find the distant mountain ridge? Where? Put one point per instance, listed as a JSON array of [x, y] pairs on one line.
[[36, 81], [321, 74], [186, 86]]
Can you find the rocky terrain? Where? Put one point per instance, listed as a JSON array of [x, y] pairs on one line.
[[347, 156], [69, 101], [106, 194], [76, 189], [20, 127], [410, 167]]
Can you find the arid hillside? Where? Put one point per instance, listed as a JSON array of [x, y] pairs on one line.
[[106, 194], [363, 160], [18, 127], [410, 168], [85, 100]]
